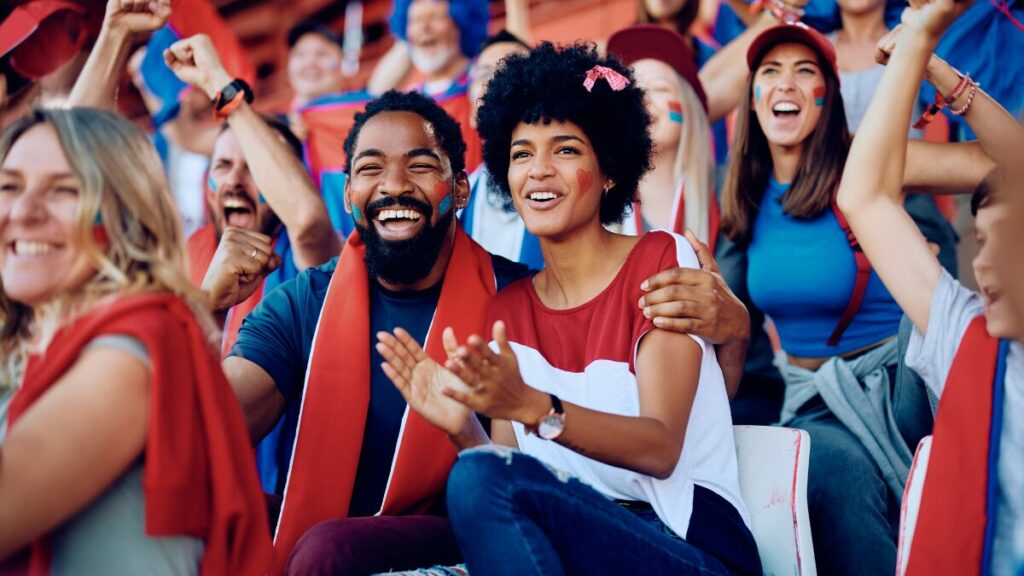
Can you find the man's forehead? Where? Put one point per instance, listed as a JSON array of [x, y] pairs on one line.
[[397, 132], [421, 7]]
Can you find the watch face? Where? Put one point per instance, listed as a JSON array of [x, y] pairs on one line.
[[551, 426]]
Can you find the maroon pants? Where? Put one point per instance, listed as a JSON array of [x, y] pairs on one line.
[[358, 546]]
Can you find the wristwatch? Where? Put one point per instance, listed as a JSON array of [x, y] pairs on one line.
[[552, 424], [230, 98]]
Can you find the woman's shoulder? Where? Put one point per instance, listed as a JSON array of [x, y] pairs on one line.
[[661, 250]]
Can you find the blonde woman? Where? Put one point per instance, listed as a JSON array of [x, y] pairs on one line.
[[678, 193], [122, 449]]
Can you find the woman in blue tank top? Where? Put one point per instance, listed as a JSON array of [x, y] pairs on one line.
[[837, 357]]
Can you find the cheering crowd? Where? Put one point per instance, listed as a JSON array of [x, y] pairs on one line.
[[497, 311]]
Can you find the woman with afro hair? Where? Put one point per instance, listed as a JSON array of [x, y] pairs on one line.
[[612, 442]]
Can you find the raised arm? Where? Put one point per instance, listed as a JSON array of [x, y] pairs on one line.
[[123, 22], [278, 173], [1000, 139], [870, 193], [724, 76]]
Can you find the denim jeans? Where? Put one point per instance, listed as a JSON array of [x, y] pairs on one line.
[[514, 515]]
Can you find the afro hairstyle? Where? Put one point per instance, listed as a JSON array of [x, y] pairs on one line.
[[470, 16], [446, 129], [545, 85]]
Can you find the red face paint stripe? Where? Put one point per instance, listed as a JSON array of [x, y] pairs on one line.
[[442, 189], [819, 92], [584, 179], [675, 107]]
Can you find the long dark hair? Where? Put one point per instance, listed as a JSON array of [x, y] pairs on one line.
[[817, 173]]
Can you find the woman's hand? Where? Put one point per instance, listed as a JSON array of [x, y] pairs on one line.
[[422, 382], [493, 383]]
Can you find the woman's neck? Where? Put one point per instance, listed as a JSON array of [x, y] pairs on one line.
[[785, 160], [658, 189], [579, 265], [856, 40]]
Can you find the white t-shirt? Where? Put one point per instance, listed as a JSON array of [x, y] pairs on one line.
[[931, 356]]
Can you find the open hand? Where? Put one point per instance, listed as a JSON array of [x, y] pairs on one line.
[[494, 385], [421, 380]]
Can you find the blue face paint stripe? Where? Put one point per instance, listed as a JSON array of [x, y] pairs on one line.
[[757, 93], [819, 101], [445, 205], [356, 214], [211, 183], [675, 117]]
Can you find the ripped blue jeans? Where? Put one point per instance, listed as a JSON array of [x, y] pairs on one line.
[[514, 515]]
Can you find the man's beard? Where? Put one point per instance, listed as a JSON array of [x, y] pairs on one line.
[[432, 64], [403, 262]]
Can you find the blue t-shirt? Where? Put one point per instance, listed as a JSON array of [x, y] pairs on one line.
[[801, 273], [278, 337]]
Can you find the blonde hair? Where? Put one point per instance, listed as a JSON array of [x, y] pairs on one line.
[[124, 190], [695, 161]]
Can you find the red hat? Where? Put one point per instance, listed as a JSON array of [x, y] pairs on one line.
[[41, 35], [796, 32], [661, 44]]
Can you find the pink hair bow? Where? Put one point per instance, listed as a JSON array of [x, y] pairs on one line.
[[615, 80]]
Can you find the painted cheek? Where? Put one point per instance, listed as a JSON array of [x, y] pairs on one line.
[[99, 235], [675, 112], [585, 179], [819, 96], [757, 93], [211, 183], [442, 191], [357, 214]]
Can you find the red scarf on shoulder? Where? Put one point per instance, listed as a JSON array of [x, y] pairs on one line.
[[336, 397], [200, 477], [954, 531]]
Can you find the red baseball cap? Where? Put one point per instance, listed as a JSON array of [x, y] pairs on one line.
[[796, 32], [661, 44], [41, 35]]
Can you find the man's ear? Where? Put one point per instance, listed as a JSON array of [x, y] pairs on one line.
[[462, 190], [347, 196]]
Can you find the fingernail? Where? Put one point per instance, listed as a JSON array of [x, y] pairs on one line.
[[641, 303], [659, 321], [644, 286], [647, 312]]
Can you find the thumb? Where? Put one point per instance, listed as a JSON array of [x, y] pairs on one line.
[[451, 344], [704, 258], [500, 336]]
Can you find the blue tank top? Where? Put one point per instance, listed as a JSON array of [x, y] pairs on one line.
[[801, 273]]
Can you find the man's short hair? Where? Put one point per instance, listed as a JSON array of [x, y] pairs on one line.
[[446, 129]]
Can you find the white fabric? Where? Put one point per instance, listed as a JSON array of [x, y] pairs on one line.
[[498, 231], [931, 356]]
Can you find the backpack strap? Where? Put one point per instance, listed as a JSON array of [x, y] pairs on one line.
[[860, 286]]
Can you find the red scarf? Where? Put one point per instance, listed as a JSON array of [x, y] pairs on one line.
[[337, 395], [200, 247], [200, 477], [951, 525]]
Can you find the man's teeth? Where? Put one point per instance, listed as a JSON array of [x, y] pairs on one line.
[[236, 203], [27, 248], [786, 107], [385, 215], [542, 196]]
